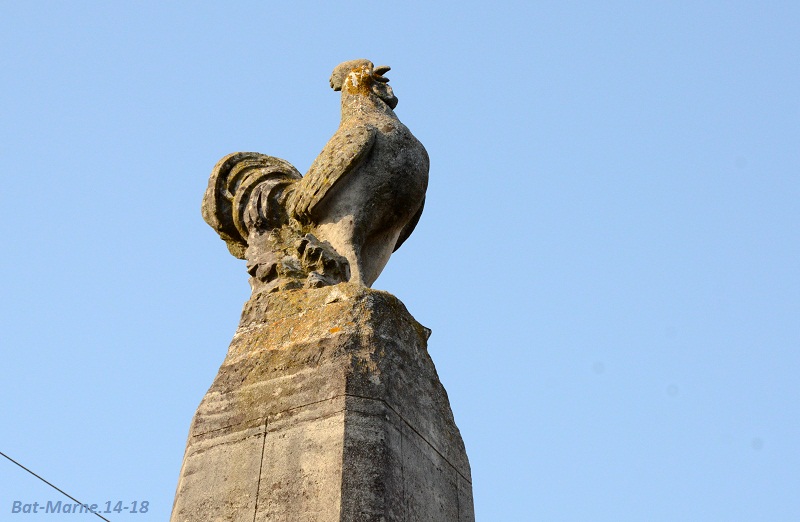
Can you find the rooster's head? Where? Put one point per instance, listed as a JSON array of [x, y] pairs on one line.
[[362, 77]]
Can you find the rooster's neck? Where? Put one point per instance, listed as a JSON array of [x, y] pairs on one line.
[[360, 106]]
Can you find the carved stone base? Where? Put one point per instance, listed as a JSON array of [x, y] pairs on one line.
[[326, 408]]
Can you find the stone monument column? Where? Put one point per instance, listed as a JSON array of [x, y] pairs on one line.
[[327, 406]]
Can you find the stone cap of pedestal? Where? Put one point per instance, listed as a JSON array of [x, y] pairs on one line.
[[297, 348]]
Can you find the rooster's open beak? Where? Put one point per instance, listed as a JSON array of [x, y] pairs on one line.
[[379, 71]]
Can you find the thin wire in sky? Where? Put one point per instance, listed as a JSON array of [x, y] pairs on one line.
[[52, 486]]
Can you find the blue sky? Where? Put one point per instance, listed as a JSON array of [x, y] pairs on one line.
[[608, 257]]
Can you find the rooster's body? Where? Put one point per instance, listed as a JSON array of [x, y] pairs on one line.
[[362, 196], [365, 191]]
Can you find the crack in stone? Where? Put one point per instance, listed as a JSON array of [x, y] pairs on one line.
[[260, 469]]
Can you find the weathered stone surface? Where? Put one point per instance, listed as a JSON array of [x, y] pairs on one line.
[[327, 407]]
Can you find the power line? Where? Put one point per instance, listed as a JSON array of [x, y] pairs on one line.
[[52, 486]]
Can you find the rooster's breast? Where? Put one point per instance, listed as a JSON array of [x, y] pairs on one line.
[[386, 190]]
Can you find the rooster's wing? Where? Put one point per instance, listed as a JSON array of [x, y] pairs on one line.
[[345, 151]]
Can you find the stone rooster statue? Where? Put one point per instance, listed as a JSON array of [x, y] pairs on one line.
[[359, 201]]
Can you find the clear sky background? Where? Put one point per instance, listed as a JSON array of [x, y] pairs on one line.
[[608, 257]]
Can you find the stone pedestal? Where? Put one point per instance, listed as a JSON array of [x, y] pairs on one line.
[[326, 408]]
